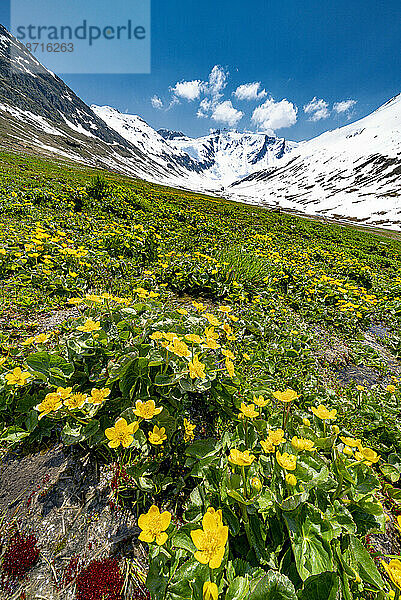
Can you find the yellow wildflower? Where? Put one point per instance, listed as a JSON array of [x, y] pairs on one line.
[[157, 436], [199, 306], [192, 337], [210, 591], [287, 396], [324, 413], [260, 401], [157, 335], [154, 525], [182, 311], [306, 422], [179, 348], [286, 461], [121, 433], [291, 479], [17, 377], [196, 368], [75, 401], [212, 319], [42, 338], [242, 459], [301, 444], [367, 455], [210, 541], [51, 403], [391, 389], [98, 396], [189, 430], [227, 353], [225, 309], [351, 442], [230, 367], [248, 411], [90, 325], [393, 570], [267, 445], [64, 393], [276, 436], [146, 410]]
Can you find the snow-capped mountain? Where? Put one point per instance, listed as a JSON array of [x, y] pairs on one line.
[[221, 157], [40, 114], [134, 129], [352, 172], [229, 155]]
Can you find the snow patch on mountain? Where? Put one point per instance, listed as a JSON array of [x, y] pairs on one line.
[[351, 172]]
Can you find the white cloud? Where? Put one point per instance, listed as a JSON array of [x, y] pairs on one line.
[[317, 109], [343, 106], [272, 115], [204, 108], [156, 102], [224, 112], [189, 90], [217, 81], [250, 91]]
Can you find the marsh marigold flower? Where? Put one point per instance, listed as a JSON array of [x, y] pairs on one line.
[[90, 326], [121, 433], [196, 368], [212, 319], [64, 393], [248, 411], [291, 479], [267, 446], [393, 570], [51, 403], [17, 377], [260, 401], [286, 461], [211, 540], [154, 525], [391, 388], [242, 459], [210, 591], [276, 436], [146, 410], [189, 431], [351, 442], [301, 444], [157, 436], [230, 367], [98, 396], [324, 413], [286, 396], [367, 456], [179, 348], [75, 401]]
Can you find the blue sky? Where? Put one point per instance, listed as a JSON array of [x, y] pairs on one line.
[[312, 53]]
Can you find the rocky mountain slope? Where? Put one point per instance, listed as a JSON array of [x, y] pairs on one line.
[[39, 113]]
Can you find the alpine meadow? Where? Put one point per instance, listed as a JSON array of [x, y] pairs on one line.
[[200, 341]]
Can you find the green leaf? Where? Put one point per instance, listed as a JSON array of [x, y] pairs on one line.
[[360, 559], [238, 589], [12, 435], [90, 429], [320, 587], [390, 471], [71, 435], [273, 586], [182, 539], [310, 535], [202, 448], [55, 368]]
